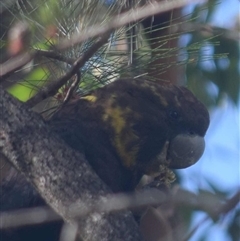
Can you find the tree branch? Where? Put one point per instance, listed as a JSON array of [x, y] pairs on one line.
[[14, 64], [52, 88], [54, 55], [121, 20], [59, 174]]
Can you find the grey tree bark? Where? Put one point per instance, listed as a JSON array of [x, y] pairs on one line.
[[61, 175]]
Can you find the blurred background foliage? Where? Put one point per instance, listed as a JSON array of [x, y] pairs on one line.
[[129, 51], [194, 53]]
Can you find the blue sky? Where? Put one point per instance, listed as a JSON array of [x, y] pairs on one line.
[[219, 166], [220, 163]]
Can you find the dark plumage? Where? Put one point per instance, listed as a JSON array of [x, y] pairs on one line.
[[123, 127]]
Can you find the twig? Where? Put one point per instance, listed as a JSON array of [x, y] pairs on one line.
[[14, 64], [113, 203], [52, 88], [121, 20], [208, 30], [54, 55], [68, 232], [230, 204], [28, 216], [72, 88], [224, 209]]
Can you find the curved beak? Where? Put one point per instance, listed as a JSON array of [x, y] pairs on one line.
[[185, 150]]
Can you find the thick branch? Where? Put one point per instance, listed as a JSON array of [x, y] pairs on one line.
[[60, 175]]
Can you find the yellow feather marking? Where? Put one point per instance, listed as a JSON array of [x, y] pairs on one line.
[[123, 135], [91, 98]]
